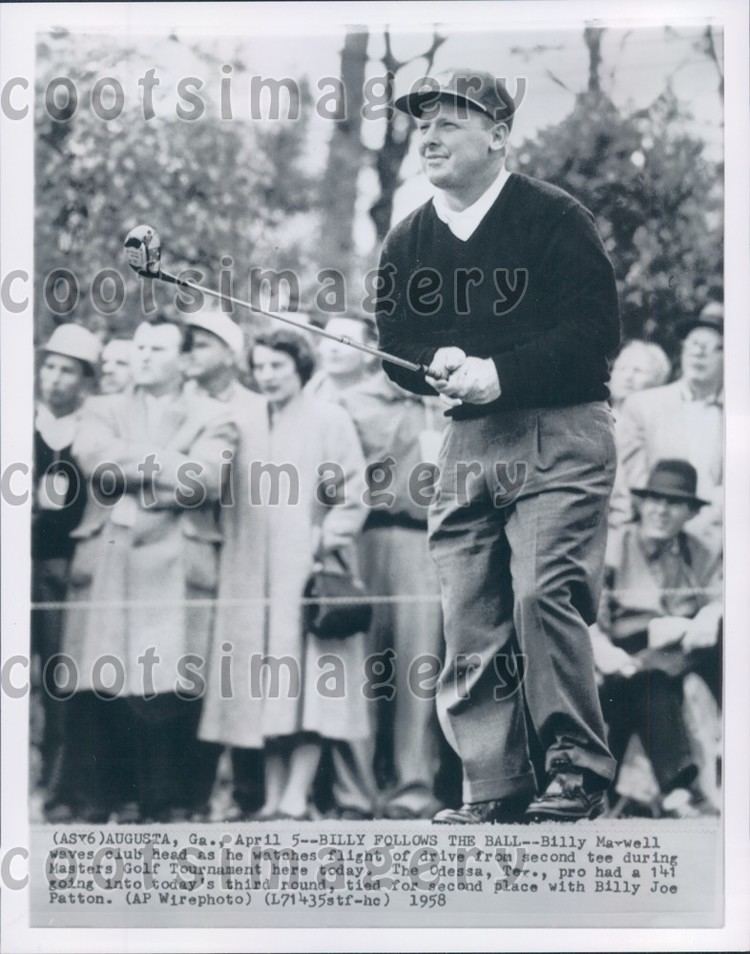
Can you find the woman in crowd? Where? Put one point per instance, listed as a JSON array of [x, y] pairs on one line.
[[639, 365], [317, 514]]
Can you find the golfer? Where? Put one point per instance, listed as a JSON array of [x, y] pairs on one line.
[[501, 285]]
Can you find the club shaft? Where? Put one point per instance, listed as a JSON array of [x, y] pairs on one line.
[[301, 326]]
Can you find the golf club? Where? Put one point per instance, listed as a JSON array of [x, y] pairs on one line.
[[143, 250]]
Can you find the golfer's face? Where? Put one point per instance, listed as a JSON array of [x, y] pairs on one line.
[[157, 355], [276, 374], [454, 144]]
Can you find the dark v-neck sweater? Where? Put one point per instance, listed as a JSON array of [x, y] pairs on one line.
[[532, 288]]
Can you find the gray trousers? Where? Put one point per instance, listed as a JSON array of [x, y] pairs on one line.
[[518, 534]]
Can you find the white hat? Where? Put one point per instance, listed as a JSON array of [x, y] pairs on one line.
[[74, 341], [213, 319]]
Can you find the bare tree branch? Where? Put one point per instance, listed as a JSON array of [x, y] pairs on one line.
[[389, 60], [556, 79], [710, 49], [526, 52]]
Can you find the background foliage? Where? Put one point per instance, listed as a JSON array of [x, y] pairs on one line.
[[251, 191]]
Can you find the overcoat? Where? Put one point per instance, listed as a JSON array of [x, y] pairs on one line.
[[314, 497], [231, 713], [666, 422], [142, 553]]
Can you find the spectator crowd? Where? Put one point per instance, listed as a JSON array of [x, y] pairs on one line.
[[187, 487]]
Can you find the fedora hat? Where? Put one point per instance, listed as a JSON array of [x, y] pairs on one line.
[[673, 479]]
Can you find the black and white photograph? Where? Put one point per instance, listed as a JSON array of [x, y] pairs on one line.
[[374, 475]]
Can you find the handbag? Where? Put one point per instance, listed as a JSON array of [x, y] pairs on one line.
[[347, 613]]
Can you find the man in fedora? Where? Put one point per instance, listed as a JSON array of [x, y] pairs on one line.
[[501, 285], [66, 375], [659, 619], [684, 420]]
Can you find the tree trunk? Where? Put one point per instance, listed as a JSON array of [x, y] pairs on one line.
[[593, 38], [396, 143], [345, 155], [388, 165]]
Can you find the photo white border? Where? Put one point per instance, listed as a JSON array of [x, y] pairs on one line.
[[18, 26]]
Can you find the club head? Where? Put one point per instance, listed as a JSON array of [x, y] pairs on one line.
[[143, 249]]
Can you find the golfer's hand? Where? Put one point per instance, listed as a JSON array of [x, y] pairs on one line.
[[449, 402], [474, 382], [444, 363]]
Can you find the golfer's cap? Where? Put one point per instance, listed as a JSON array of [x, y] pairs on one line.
[[74, 341], [475, 88], [211, 318]]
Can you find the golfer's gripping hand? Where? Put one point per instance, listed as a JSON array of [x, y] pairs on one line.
[[461, 378]]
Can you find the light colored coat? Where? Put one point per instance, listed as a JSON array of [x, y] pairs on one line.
[[665, 422], [306, 434], [231, 713], [141, 559]]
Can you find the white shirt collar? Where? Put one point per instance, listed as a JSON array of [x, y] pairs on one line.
[[57, 432], [463, 224], [716, 399]]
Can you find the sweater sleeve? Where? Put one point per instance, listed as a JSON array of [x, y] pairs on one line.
[[582, 322], [397, 332]]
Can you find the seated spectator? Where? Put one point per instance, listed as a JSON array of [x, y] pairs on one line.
[[116, 366], [660, 618], [639, 365], [683, 420]]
